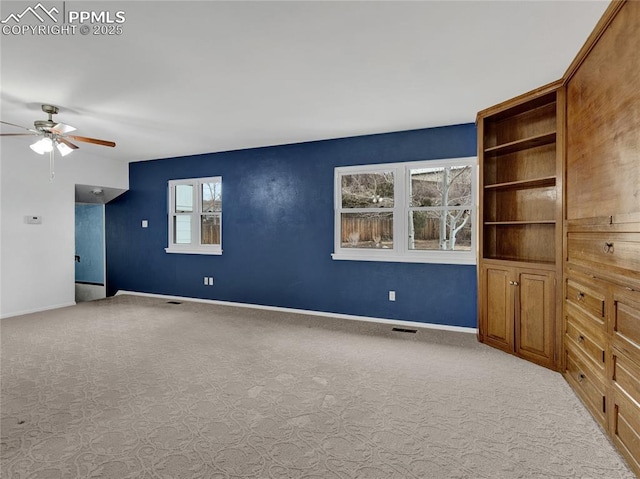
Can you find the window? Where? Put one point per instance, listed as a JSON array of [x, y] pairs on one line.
[[195, 216], [412, 212]]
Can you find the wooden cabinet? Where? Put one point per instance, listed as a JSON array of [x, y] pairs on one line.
[[520, 156], [602, 228], [560, 200], [518, 311]]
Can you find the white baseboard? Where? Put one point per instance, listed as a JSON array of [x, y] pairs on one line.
[[394, 322], [36, 310]]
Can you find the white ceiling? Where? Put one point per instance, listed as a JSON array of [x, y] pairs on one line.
[[196, 77]]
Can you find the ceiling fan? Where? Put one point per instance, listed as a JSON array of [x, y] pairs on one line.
[[52, 134]]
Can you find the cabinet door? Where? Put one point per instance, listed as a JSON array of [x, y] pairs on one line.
[[534, 319], [497, 311]]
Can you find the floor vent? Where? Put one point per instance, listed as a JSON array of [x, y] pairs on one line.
[[403, 330], [174, 302]]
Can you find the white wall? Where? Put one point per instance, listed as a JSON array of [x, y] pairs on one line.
[[37, 261]]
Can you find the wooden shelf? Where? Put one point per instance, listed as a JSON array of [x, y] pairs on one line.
[[521, 184], [509, 223], [521, 144], [520, 260]]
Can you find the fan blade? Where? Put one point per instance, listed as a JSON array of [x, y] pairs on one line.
[[68, 143], [18, 126], [18, 134], [92, 140], [61, 128]]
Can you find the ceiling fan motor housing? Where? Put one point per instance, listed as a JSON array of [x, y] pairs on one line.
[[46, 125]]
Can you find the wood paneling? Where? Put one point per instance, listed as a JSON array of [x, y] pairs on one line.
[[603, 114]]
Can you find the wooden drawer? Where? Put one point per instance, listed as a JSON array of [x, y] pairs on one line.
[[626, 323], [625, 420], [625, 429], [590, 344], [588, 300], [626, 376], [586, 383], [617, 251]]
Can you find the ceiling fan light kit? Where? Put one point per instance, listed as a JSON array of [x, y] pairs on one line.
[[45, 145], [54, 133], [63, 149]]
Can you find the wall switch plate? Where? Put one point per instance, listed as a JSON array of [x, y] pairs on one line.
[[33, 220], [206, 281], [392, 295], [145, 223], [210, 280]]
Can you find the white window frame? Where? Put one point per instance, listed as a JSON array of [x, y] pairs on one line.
[[401, 205], [194, 247]]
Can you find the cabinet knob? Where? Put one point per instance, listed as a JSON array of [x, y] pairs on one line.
[[607, 248], [581, 377], [581, 339], [513, 283], [580, 296]]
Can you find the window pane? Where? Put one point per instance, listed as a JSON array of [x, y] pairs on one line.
[[449, 186], [368, 190], [184, 199], [210, 229], [440, 230], [182, 229], [211, 197], [367, 230]]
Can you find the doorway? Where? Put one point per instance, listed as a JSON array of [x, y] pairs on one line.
[[90, 257], [90, 252]]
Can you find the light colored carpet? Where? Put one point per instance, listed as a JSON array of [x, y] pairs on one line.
[[133, 387]]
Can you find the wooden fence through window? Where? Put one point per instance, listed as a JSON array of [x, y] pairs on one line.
[[381, 229]]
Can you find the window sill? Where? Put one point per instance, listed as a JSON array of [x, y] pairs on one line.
[[441, 257], [193, 251]]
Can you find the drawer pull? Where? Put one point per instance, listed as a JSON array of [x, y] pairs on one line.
[[607, 248], [581, 339], [580, 296]]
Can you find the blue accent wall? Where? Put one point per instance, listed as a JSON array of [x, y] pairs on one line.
[[90, 243], [278, 232]]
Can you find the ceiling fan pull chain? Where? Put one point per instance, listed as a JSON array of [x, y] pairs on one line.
[[51, 172]]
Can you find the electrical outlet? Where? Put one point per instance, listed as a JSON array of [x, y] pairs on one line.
[[392, 295], [145, 223]]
